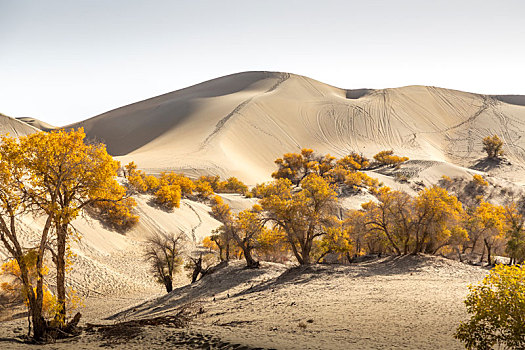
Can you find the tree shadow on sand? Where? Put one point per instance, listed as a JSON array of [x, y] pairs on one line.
[[487, 164], [386, 266], [225, 276]]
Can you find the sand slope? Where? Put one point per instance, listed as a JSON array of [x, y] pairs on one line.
[[14, 127], [238, 124], [37, 123], [412, 302]]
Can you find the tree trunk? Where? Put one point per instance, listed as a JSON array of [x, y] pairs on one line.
[[295, 252], [168, 283], [305, 253], [394, 245], [459, 255], [482, 254], [489, 257], [251, 263], [39, 324], [220, 253], [61, 274], [196, 270]]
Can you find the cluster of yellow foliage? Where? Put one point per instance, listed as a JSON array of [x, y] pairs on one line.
[[497, 306], [297, 222], [388, 158], [15, 290], [478, 180], [493, 146], [242, 228], [203, 189], [300, 216], [168, 189], [345, 171], [231, 185], [425, 223], [169, 196], [117, 210]]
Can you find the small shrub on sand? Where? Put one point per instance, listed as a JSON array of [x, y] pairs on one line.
[[493, 146], [479, 180]]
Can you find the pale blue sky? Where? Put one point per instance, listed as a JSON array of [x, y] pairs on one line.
[[64, 61]]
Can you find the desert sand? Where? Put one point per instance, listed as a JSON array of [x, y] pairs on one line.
[[14, 127], [412, 302], [39, 124]]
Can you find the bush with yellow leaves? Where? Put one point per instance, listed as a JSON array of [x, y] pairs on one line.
[[478, 180], [388, 158], [493, 146], [497, 309], [168, 196]]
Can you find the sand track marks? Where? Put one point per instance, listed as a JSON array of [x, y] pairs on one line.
[[220, 124]]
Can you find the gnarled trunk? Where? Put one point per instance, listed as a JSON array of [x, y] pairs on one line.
[[168, 283], [60, 316]]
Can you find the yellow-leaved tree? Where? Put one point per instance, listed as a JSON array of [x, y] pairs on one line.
[[296, 166], [54, 175], [487, 223], [243, 228], [388, 158], [303, 215], [423, 224], [493, 146]]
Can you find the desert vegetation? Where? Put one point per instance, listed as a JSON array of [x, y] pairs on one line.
[[497, 309], [169, 188], [55, 176], [493, 146], [299, 215], [164, 254]]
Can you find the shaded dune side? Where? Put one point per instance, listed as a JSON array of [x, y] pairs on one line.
[[130, 127], [518, 100]]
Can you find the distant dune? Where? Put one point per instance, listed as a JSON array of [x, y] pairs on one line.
[[14, 127], [238, 124], [37, 123], [512, 99]]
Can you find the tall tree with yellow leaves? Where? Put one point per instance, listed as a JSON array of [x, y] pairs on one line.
[[55, 175], [423, 224], [243, 228], [303, 215], [488, 223], [296, 166]]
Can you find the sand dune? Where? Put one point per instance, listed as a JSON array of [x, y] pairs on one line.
[[238, 124], [37, 123], [15, 127], [373, 305]]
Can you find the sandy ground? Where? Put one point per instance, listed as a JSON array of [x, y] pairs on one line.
[[412, 302]]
